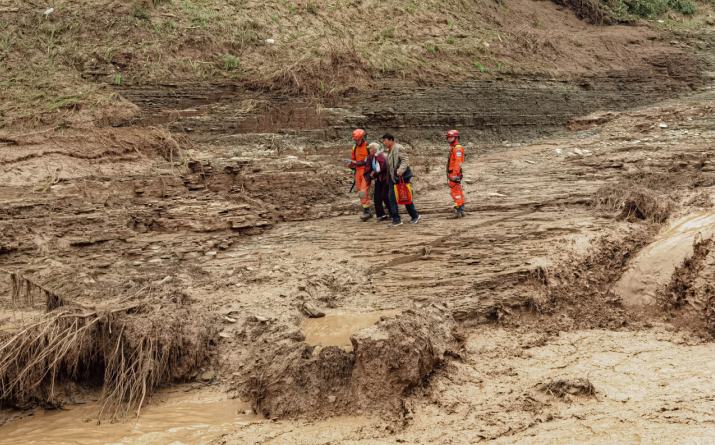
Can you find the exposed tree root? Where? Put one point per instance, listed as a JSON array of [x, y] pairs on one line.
[[25, 290]]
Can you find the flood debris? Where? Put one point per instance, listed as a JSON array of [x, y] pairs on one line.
[[312, 311], [634, 202], [577, 292], [129, 350], [568, 389]]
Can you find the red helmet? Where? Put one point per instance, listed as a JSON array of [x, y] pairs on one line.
[[452, 133], [358, 134]]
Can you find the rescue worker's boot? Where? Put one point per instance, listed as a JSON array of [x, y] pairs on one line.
[[458, 213], [366, 214]]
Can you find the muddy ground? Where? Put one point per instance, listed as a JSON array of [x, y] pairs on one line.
[[523, 286], [532, 320]]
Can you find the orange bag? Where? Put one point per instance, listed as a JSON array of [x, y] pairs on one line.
[[403, 192]]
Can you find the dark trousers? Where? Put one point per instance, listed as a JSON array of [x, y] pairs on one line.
[[382, 197], [393, 203]]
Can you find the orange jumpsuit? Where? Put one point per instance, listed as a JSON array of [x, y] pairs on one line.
[[454, 170], [357, 159]]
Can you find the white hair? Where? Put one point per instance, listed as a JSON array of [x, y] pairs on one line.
[[376, 145]]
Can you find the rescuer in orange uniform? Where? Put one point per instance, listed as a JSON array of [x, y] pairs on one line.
[[357, 161], [454, 172]]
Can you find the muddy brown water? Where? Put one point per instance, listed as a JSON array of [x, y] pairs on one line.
[[336, 328], [654, 265], [173, 418]]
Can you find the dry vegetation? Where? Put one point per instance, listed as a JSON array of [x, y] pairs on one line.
[[633, 201], [65, 61], [568, 388], [130, 350]]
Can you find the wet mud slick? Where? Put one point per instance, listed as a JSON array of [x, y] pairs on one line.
[[655, 264], [336, 328], [135, 257], [172, 417], [649, 387]]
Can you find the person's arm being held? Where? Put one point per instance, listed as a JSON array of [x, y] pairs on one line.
[[404, 161]]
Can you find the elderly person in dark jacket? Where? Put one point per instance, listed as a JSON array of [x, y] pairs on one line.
[[376, 169]]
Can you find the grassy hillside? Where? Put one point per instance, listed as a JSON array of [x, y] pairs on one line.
[[55, 64]]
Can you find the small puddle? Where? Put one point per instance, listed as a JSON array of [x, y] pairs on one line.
[[335, 329], [173, 418], [654, 265]]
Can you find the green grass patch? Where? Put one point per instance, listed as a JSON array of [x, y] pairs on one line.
[[230, 62], [64, 102], [686, 7], [480, 67], [141, 14], [199, 16]]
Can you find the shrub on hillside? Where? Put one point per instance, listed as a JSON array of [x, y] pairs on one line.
[[686, 7], [654, 8], [609, 12]]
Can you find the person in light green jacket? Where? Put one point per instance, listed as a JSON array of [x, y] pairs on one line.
[[399, 166]]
